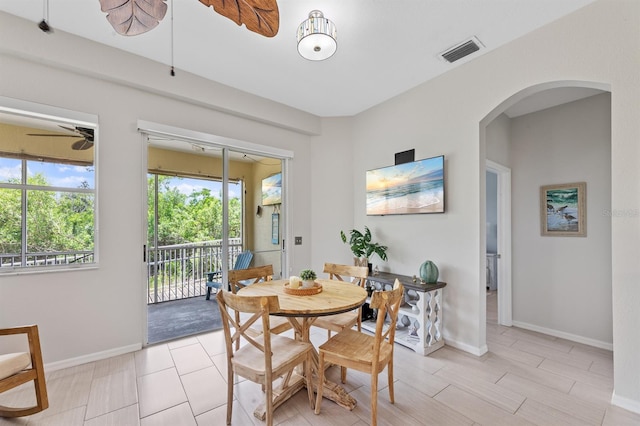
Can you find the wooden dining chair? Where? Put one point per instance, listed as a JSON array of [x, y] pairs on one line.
[[364, 352], [22, 367], [338, 322], [243, 277], [264, 358]]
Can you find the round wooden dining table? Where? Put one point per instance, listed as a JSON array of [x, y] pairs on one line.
[[336, 297]]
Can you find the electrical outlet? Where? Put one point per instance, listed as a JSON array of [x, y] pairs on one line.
[[298, 241]]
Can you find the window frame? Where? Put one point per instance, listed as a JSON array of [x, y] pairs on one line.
[[25, 110]]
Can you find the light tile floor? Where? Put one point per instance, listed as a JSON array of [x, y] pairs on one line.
[[526, 378]]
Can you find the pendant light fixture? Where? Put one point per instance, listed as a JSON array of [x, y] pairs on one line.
[[317, 37]]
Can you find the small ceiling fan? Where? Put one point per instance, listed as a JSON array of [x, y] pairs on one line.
[[133, 17], [80, 145]]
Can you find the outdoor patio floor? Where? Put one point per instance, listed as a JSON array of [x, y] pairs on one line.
[[179, 318]]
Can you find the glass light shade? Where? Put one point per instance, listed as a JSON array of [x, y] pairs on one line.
[[317, 37]]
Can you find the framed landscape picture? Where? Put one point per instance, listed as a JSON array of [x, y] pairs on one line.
[[408, 188], [563, 210], [272, 190]]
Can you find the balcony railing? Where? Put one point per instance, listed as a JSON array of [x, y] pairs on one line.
[[180, 271], [9, 260], [173, 272]]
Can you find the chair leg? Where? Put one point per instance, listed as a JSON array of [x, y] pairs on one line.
[[208, 293], [269, 405], [390, 374], [237, 317], [320, 382], [309, 379], [229, 392], [374, 398], [20, 412], [343, 374]]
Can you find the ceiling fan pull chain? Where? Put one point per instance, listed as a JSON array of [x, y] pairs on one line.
[[43, 25], [173, 73]]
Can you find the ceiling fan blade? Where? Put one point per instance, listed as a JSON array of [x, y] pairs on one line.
[[85, 132], [259, 16], [133, 17], [81, 145], [52, 136], [71, 129]]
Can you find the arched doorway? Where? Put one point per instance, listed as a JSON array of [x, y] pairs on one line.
[[542, 292]]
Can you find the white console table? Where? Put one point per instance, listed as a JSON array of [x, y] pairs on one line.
[[420, 317]]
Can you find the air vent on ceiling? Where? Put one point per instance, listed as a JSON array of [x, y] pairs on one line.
[[461, 50]]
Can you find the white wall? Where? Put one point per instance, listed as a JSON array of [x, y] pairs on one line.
[[85, 314], [499, 140], [562, 285], [594, 46], [443, 116], [332, 192]]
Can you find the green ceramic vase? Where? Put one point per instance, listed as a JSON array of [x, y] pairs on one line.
[[429, 272]]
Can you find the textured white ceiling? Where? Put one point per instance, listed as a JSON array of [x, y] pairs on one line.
[[385, 47]]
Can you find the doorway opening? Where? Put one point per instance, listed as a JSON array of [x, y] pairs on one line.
[[204, 210], [498, 243], [517, 133]]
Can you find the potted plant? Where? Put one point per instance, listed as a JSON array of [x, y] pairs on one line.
[[362, 247], [307, 276]]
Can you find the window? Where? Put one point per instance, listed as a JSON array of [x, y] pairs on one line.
[[47, 194]]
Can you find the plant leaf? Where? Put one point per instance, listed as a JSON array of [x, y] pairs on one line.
[[259, 16], [133, 17]]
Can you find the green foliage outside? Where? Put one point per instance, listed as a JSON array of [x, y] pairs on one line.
[[189, 218], [56, 221], [182, 219], [64, 221]]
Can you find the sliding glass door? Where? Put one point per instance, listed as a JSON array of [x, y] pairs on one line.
[[205, 207]]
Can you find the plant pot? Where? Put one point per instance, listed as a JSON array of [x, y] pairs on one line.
[[308, 283], [362, 261]]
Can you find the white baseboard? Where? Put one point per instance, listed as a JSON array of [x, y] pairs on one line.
[[626, 403], [564, 335], [97, 356], [477, 351]]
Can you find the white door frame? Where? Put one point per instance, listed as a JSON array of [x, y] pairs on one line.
[[505, 312], [224, 143]]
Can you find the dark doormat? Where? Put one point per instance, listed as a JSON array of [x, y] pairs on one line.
[[180, 318]]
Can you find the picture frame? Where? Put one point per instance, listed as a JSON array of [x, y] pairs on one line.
[[272, 190], [275, 228], [563, 210], [415, 187]]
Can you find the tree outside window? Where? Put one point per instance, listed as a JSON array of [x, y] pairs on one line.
[[58, 225]]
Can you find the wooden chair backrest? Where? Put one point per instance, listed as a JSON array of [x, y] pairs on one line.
[[388, 304], [339, 272], [260, 307], [257, 274]]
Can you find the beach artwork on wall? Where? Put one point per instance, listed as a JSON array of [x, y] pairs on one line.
[[272, 190], [563, 210], [408, 188]]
